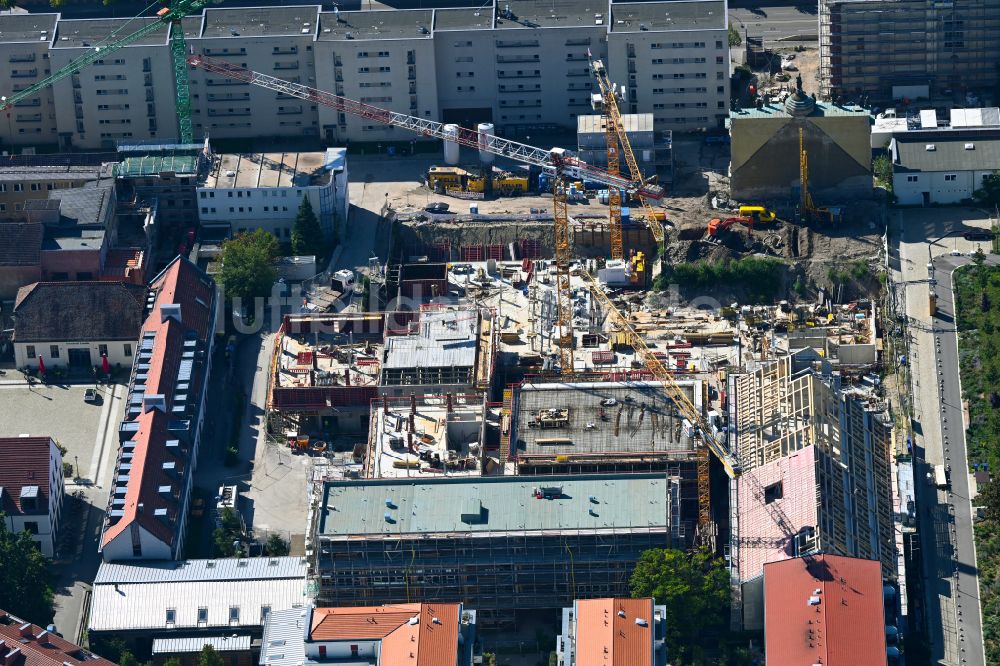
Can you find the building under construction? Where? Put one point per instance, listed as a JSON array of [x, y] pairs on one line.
[[886, 50], [816, 476], [499, 543]]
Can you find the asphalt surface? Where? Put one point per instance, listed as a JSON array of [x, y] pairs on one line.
[[951, 608]]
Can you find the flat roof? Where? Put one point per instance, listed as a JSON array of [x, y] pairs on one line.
[[683, 15], [326, 359], [261, 21], [633, 122], [552, 14], [76, 33], [233, 643], [253, 170], [601, 417], [505, 504], [469, 18], [441, 339], [376, 24], [776, 110], [27, 27]]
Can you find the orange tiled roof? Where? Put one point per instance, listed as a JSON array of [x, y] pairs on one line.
[[607, 633]]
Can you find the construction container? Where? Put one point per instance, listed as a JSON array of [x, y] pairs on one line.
[[602, 357]]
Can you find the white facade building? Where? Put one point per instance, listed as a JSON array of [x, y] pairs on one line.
[[264, 190], [942, 167], [31, 488], [519, 64]]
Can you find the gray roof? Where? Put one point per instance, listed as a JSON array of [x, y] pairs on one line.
[[949, 153], [284, 638], [167, 571], [469, 18], [505, 504], [674, 15], [443, 339], [261, 21], [553, 14], [136, 597], [183, 645], [377, 24], [79, 206], [76, 33], [78, 311], [658, 430], [27, 27]]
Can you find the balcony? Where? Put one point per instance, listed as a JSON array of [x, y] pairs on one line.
[[29, 102], [522, 104], [278, 66], [514, 91], [29, 118], [23, 73], [290, 111], [287, 50], [23, 57], [519, 44], [229, 97], [530, 75], [518, 58], [214, 113]]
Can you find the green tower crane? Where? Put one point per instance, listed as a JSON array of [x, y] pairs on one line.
[[171, 15]]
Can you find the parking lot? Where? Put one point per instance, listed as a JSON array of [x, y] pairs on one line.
[[87, 430]]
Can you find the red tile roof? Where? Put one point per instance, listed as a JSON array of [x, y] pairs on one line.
[[142, 495], [24, 461], [183, 283], [847, 625], [604, 637], [431, 641], [38, 647]]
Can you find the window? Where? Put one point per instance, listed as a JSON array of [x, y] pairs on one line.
[[171, 616], [53, 351], [128, 350], [718, 43], [322, 652], [31, 527], [265, 612], [773, 492], [35, 187], [950, 177], [30, 351], [18, 187], [202, 194], [234, 614], [911, 179], [203, 615]]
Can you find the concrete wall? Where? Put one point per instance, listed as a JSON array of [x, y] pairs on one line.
[[32, 121], [941, 187]]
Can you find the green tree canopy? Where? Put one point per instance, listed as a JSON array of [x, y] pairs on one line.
[[694, 586], [247, 271], [25, 581], [307, 235], [276, 545], [989, 193], [209, 657]]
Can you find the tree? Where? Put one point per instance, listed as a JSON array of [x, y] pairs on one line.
[[695, 589], [734, 36], [979, 258], [127, 659], [276, 545], [25, 581], [173, 661], [989, 498], [989, 194], [209, 657], [882, 166], [247, 271], [307, 235]]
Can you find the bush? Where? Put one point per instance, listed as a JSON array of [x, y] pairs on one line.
[[760, 277], [276, 545], [67, 469]]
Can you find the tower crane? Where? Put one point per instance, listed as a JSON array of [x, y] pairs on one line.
[[617, 126], [170, 16], [557, 160]]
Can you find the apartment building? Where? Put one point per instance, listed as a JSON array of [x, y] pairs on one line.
[[520, 64], [31, 488], [890, 49], [817, 462]]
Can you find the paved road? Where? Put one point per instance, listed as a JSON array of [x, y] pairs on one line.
[[952, 612], [776, 23]]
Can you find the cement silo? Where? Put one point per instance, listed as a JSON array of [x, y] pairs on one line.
[[485, 136], [451, 148]]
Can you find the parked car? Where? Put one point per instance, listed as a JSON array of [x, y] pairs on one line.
[[92, 396], [978, 235], [437, 207]]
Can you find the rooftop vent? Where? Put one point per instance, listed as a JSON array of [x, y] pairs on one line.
[[814, 600], [414, 620], [168, 310], [970, 146], [930, 147], [641, 621], [154, 401], [621, 613]]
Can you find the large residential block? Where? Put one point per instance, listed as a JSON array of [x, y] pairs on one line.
[[520, 64], [31, 489]]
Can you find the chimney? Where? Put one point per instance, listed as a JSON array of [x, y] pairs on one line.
[[11, 657], [154, 401], [170, 469], [174, 447], [161, 515], [168, 310], [25, 630], [167, 492]]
